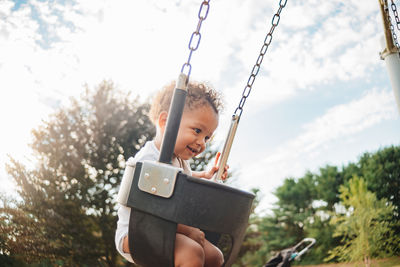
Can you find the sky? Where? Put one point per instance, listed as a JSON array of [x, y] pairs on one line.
[[323, 95]]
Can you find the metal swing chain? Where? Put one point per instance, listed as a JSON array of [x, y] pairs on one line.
[[246, 92], [196, 37], [256, 67], [396, 15]]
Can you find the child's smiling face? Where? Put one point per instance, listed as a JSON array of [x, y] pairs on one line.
[[196, 128]]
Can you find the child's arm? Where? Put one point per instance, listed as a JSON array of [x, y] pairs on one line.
[[125, 245]]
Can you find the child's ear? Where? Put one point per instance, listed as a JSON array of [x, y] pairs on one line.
[[162, 120]]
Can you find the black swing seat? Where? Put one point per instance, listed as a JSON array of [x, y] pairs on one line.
[[200, 203]]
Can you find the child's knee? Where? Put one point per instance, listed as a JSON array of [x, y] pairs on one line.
[[214, 256], [198, 255], [193, 257], [188, 253], [215, 259]]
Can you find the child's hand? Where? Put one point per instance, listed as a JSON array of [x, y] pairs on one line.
[[225, 173], [197, 235], [210, 173], [193, 233]]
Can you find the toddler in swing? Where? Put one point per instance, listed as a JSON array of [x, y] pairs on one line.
[[199, 121]]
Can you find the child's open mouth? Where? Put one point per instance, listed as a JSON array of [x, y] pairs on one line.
[[191, 149]]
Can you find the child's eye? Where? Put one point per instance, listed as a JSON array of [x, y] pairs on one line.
[[207, 138], [197, 130]]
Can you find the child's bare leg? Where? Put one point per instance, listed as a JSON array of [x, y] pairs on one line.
[[213, 256], [188, 253]]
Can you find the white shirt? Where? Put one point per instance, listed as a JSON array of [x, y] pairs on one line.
[[148, 152]]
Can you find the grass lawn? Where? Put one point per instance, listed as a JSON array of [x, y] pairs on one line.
[[389, 262]]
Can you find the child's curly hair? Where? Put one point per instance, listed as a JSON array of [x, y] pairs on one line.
[[198, 94]]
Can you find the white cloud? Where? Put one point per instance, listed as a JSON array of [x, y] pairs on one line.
[[315, 43], [347, 119], [311, 148], [48, 51]]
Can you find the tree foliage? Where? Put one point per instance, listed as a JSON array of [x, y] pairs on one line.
[[67, 212], [365, 226], [381, 171], [306, 205], [250, 253]]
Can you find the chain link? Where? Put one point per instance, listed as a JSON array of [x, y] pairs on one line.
[[195, 38], [396, 15], [256, 68]]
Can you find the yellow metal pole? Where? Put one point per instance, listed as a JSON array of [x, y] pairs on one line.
[[390, 46], [390, 53]]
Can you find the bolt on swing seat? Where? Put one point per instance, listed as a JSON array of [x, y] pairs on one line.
[[161, 197]]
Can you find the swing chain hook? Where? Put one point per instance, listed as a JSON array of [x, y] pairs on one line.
[[195, 38], [256, 67]]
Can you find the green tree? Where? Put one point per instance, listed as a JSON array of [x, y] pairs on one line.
[[306, 205], [17, 230], [285, 227], [365, 226], [295, 207], [254, 250], [68, 208], [322, 231], [328, 182], [381, 170]]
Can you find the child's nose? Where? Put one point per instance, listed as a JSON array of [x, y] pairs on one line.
[[201, 142]]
